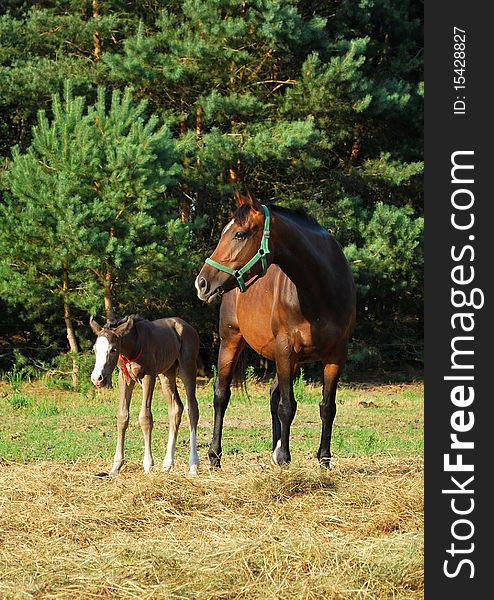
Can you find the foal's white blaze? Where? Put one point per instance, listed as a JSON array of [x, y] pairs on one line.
[[102, 348]]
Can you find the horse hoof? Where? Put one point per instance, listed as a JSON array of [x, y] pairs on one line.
[[280, 457], [147, 465], [215, 461], [102, 475], [325, 463], [167, 468], [193, 471]]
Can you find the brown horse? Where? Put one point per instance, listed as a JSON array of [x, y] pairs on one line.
[[296, 305], [143, 351]]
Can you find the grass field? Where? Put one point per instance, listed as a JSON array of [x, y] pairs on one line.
[[247, 531]]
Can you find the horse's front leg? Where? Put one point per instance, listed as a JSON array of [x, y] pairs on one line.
[[125, 393], [230, 350], [327, 409], [285, 369], [146, 419], [274, 403]]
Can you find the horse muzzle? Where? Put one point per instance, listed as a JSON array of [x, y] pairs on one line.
[[206, 293], [101, 381]]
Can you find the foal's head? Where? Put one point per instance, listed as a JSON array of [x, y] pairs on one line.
[[107, 349], [239, 242]]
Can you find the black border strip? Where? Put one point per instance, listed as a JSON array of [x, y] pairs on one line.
[[457, 523]]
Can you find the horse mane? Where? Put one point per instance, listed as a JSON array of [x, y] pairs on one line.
[[114, 323], [298, 213]]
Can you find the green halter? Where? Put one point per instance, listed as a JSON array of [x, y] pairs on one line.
[[259, 256]]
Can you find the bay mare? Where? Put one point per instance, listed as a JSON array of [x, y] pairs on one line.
[[144, 350], [286, 290]]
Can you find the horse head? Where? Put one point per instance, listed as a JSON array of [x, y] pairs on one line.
[[242, 253], [107, 348]]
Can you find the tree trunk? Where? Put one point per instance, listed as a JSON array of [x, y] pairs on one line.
[[184, 196], [188, 203], [73, 345], [199, 112], [184, 207], [96, 39], [110, 315], [234, 173]]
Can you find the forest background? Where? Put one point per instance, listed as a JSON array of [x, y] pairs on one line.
[[125, 126]]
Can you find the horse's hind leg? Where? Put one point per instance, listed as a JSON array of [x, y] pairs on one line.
[[188, 375], [146, 419], [175, 410], [285, 369], [327, 409]]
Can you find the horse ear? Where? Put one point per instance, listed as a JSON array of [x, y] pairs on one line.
[[125, 327], [247, 198], [96, 327], [239, 199]]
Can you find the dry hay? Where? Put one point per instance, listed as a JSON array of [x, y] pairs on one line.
[[248, 531]]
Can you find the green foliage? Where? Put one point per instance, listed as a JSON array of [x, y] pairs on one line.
[[58, 373], [44, 407], [20, 373], [91, 188], [19, 400], [39, 50], [300, 388], [250, 376], [16, 378]]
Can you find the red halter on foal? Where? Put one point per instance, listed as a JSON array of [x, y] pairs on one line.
[[126, 361]]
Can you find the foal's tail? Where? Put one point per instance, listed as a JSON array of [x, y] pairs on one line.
[[201, 367]]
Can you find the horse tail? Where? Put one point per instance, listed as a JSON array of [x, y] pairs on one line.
[[201, 366], [239, 373]]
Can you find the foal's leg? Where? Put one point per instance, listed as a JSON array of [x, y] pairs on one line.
[[188, 374], [327, 409], [274, 402], [125, 393], [285, 369], [175, 410], [230, 350], [146, 419]]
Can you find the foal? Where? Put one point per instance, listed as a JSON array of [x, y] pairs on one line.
[[144, 350]]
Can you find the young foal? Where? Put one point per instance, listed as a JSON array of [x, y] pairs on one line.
[[144, 350]]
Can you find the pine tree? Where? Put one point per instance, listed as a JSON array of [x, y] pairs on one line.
[[85, 217]]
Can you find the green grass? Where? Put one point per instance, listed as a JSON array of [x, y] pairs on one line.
[[39, 423]]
